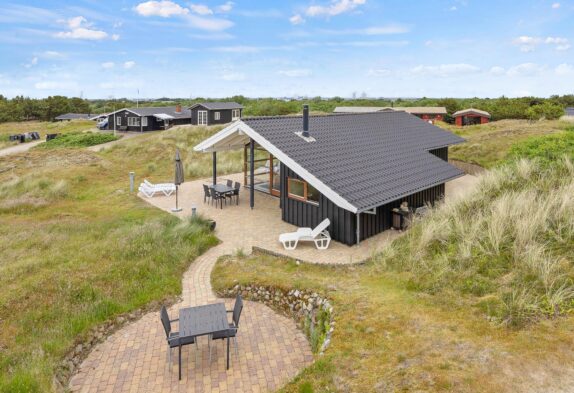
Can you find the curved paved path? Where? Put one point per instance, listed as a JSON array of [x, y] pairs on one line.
[[271, 349]]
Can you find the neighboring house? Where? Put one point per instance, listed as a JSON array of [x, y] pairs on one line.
[[471, 116], [74, 116], [210, 113], [568, 114], [432, 113], [351, 168], [148, 118]]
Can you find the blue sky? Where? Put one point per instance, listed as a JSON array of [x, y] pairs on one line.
[[396, 48]]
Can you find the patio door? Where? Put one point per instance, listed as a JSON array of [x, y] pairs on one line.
[[202, 118], [266, 170], [275, 176]]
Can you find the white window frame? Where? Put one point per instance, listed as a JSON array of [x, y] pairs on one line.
[[217, 115], [133, 122], [201, 115], [118, 121], [235, 114], [144, 121]]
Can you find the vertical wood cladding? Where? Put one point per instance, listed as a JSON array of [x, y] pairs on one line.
[[304, 214], [372, 224], [441, 153]]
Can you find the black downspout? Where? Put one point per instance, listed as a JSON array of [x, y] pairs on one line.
[[214, 154], [252, 173]]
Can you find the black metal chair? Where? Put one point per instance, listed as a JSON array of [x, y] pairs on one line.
[[206, 193], [173, 340], [231, 333], [215, 196], [236, 192], [229, 183]]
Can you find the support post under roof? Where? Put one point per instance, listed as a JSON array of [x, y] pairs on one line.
[[214, 155], [252, 172]]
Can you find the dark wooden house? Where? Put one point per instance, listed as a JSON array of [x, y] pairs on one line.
[[211, 113], [148, 118], [351, 168]]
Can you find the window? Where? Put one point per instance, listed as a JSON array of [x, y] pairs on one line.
[[202, 118], [144, 121], [217, 115], [133, 121], [119, 121], [302, 191], [235, 114]]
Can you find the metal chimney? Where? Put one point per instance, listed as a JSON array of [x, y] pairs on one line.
[[305, 133]]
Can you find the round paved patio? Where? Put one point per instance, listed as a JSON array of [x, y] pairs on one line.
[[271, 349]]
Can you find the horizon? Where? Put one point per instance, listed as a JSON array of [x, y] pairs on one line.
[[289, 50]]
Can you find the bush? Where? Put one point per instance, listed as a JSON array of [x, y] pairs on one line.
[[547, 149], [73, 140], [546, 110]]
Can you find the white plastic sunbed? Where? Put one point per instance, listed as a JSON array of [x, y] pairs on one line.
[[320, 236], [150, 189]]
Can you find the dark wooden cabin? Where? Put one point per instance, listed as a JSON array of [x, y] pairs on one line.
[[148, 118], [212, 113], [351, 168]]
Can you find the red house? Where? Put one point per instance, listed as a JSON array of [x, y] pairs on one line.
[[471, 116]]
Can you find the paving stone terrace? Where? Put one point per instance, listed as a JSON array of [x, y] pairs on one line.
[[271, 348]]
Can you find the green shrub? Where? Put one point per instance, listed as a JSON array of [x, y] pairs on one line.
[[548, 149], [78, 140]]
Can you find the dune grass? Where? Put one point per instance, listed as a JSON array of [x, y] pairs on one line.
[[43, 128], [489, 144], [78, 249], [78, 140]]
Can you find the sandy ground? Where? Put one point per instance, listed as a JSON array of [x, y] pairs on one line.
[[23, 147]]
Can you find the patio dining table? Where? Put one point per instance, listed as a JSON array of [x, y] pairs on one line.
[[202, 321], [222, 189]]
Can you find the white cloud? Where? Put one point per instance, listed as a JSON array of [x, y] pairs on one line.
[[224, 8], [201, 9], [237, 49], [335, 8], [496, 70], [555, 6], [529, 44], [233, 76], [525, 69], [164, 8], [445, 70], [564, 69], [50, 54], [296, 73], [296, 19], [453, 8], [32, 62], [210, 24], [80, 29], [115, 37], [373, 30], [378, 72], [108, 65], [56, 85], [129, 64]]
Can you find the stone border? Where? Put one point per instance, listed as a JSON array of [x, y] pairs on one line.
[[98, 334], [307, 308]]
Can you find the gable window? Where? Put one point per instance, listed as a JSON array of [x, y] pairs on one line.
[[302, 191], [133, 121], [217, 115], [235, 114]]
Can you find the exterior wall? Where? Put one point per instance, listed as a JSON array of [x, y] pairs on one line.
[[343, 222], [372, 224], [459, 119], [303, 214], [441, 153], [432, 117], [151, 122], [484, 120], [225, 115]]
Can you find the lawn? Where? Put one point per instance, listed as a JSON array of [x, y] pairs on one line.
[[43, 128], [476, 297], [78, 249], [489, 144]]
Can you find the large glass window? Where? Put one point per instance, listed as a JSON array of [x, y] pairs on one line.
[[302, 191], [235, 114], [133, 121]]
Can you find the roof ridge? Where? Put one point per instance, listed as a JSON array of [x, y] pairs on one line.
[[318, 115]]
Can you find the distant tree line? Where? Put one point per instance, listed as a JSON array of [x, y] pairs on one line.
[[23, 108]]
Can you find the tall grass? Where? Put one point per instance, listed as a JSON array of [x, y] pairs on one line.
[[510, 244]]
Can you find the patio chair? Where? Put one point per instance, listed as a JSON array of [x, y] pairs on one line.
[[233, 326], [206, 193], [215, 196], [150, 189], [173, 340], [320, 236], [236, 190], [229, 184]]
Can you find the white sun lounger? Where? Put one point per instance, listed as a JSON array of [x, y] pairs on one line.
[[150, 189], [320, 236]]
